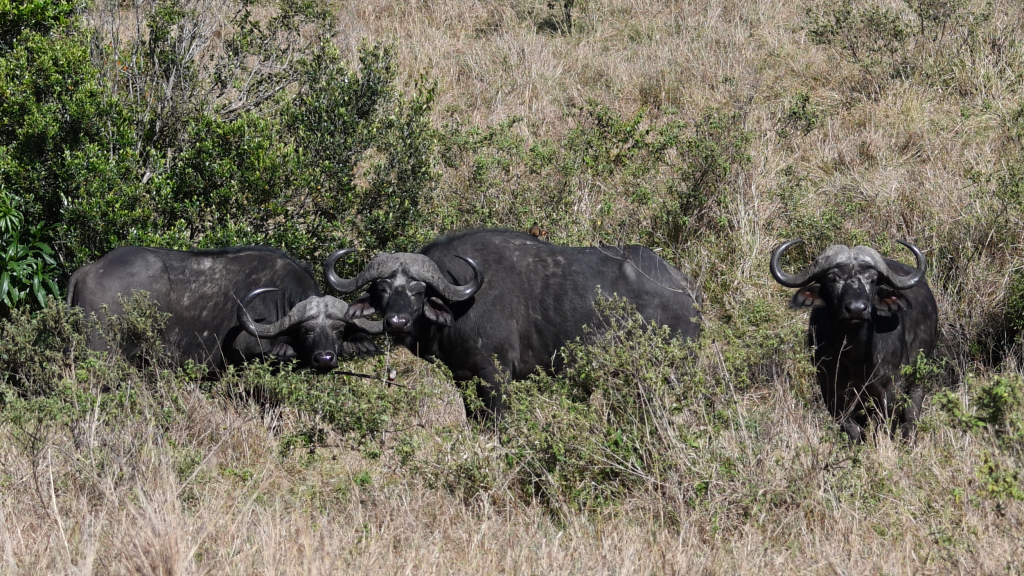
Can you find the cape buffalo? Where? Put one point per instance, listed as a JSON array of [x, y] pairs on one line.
[[226, 306], [871, 316], [537, 296]]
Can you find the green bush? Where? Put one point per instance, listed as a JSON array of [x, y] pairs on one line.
[[34, 16], [27, 265], [678, 177], [360, 410], [867, 35], [901, 40], [149, 140], [608, 426], [995, 409]]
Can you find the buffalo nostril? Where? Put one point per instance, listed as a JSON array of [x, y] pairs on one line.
[[398, 322], [323, 359], [857, 307]]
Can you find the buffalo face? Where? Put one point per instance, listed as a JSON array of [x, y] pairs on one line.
[[407, 289], [313, 330], [852, 283]]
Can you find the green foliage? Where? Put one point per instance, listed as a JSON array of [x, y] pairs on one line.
[[139, 330], [999, 410], [1000, 479], [359, 410], [996, 407], [677, 176], [821, 218], [800, 116], [867, 35], [348, 126], [59, 131], [709, 160], [33, 16], [939, 18], [607, 427], [900, 39], [34, 349], [922, 372], [151, 140], [759, 340], [27, 266]]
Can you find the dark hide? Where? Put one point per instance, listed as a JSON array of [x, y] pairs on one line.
[[536, 297], [201, 291], [862, 333]]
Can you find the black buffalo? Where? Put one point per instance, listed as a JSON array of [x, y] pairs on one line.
[[875, 315], [537, 297], [226, 306]]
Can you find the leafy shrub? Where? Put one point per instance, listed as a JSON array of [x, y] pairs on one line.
[[998, 404], [34, 16], [36, 348], [359, 409], [27, 266], [900, 40], [995, 408], [179, 139], [345, 125], [709, 161], [678, 176], [800, 116], [867, 35], [608, 426]]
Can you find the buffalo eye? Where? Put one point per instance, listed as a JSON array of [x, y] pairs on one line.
[[416, 288]]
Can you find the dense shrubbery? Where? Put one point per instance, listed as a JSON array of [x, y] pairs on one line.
[[902, 39], [149, 139]]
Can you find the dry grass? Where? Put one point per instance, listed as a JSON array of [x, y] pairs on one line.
[[246, 509], [112, 497]]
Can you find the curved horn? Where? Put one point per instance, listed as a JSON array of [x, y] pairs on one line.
[[264, 330], [809, 274], [337, 282], [379, 266], [372, 327], [904, 282], [428, 272]]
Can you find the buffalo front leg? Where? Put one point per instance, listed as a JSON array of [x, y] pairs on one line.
[[490, 401], [910, 410], [840, 405]]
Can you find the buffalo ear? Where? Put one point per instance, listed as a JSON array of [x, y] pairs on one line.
[[806, 296], [361, 308], [282, 351], [437, 312], [890, 301]]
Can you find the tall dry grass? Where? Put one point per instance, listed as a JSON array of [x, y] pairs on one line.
[[246, 509]]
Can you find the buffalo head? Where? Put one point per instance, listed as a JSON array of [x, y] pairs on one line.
[[313, 328], [404, 287], [851, 282]]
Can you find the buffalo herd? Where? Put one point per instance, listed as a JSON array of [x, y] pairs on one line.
[[494, 305]]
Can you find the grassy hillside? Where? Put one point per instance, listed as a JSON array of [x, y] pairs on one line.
[[709, 130]]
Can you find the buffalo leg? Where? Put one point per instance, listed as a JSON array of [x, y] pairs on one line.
[[489, 389], [842, 407], [911, 411]]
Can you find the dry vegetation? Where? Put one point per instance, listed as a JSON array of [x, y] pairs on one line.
[[917, 143]]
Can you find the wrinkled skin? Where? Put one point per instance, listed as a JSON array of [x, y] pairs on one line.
[[862, 332], [536, 298], [201, 290]]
